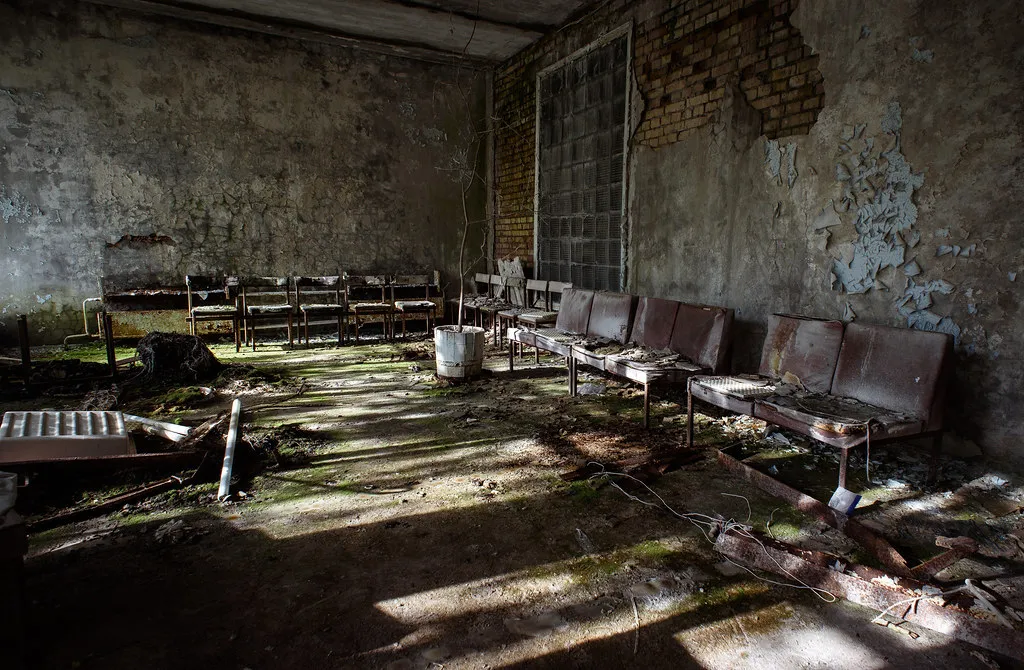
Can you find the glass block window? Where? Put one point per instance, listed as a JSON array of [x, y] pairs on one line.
[[582, 121]]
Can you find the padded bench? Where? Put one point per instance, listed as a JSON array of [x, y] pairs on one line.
[[846, 388], [570, 325], [670, 341]]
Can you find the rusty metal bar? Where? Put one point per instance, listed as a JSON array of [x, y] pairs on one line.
[[877, 545], [107, 505], [108, 338], [899, 600], [959, 547]]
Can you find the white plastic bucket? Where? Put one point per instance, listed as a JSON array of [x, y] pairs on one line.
[[460, 355]]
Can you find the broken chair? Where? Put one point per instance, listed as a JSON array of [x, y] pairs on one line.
[[266, 299], [213, 299], [319, 298], [402, 291], [864, 385], [368, 298]]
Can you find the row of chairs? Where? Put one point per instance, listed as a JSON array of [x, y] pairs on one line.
[[248, 301], [500, 302]]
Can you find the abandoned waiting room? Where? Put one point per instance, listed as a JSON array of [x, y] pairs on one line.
[[484, 334]]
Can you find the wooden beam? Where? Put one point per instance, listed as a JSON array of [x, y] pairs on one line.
[[282, 27]]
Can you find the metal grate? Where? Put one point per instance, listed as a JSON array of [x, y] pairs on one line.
[[61, 424], [580, 178], [739, 387], [42, 436]]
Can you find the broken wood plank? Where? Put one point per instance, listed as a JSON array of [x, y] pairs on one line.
[[958, 547], [110, 504], [857, 531], [896, 596]]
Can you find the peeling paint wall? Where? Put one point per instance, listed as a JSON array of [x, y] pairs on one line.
[[146, 148], [903, 205]]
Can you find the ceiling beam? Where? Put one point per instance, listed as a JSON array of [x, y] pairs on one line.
[[419, 6], [315, 33]]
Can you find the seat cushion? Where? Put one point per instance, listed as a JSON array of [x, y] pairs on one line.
[[269, 309], [413, 305], [725, 392], [210, 310], [371, 308], [538, 318], [593, 351], [840, 422], [494, 307], [523, 336], [327, 307], [647, 366], [555, 340]]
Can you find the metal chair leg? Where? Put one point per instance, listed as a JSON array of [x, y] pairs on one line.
[[689, 414], [647, 405], [933, 466], [572, 376], [844, 457]]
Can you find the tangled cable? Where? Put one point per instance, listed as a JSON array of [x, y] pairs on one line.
[[711, 527]]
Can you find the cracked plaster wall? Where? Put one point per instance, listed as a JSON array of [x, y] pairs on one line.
[[718, 218], [148, 148]]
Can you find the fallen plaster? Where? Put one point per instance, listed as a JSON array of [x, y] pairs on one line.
[[14, 206], [780, 163], [879, 187], [918, 54]]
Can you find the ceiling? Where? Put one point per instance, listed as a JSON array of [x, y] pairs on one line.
[[478, 31]]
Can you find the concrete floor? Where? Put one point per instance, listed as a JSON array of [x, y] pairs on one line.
[[429, 529]]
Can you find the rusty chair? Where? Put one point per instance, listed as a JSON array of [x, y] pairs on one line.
[[367, 297], [845, 387], [266, 299], [320, 298], [213, 299], [406, 286]]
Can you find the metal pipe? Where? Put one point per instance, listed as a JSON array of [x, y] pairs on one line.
[[85, 313], [229, 450]]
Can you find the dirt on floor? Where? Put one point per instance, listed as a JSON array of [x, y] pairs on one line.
[[392, 520]]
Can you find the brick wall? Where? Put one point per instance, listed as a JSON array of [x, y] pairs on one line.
[[686, 57], [685, 54]]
